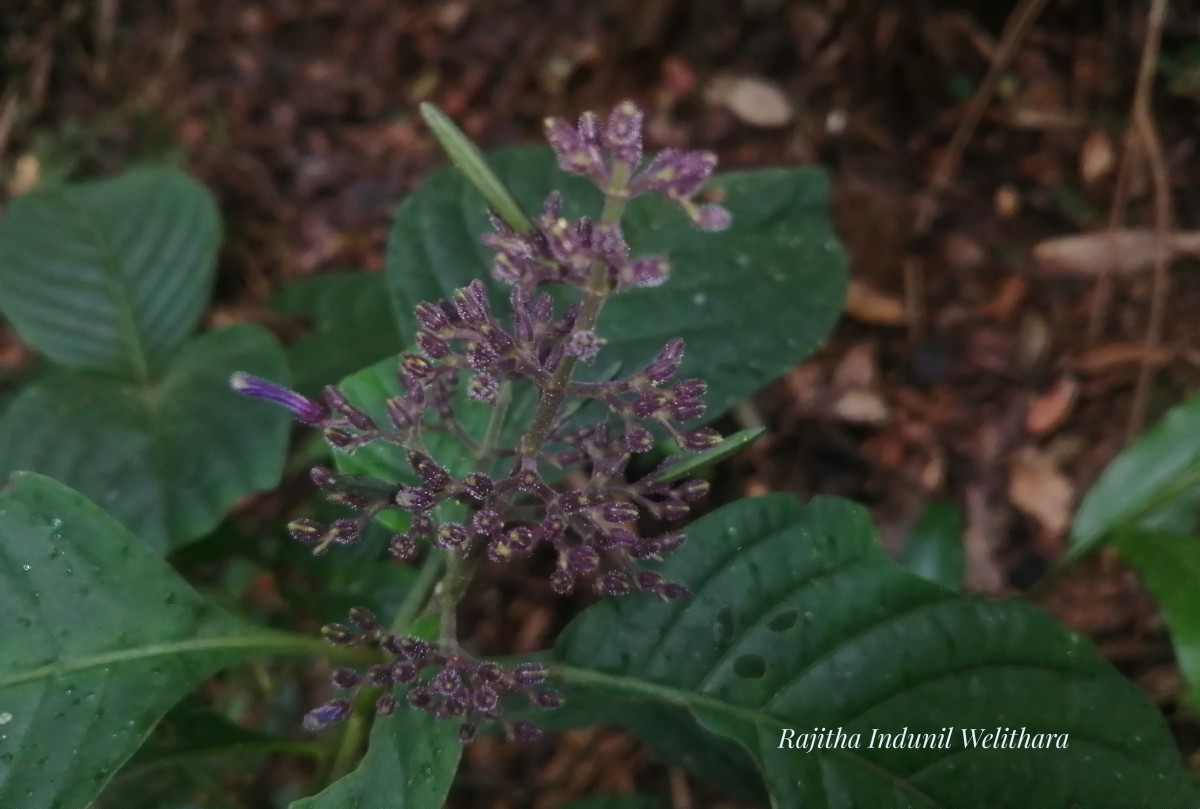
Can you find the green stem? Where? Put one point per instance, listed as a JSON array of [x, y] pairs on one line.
[[354, 735], [418, 597], [597, 293]]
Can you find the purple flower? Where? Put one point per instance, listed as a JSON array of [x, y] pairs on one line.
[[306, 410]]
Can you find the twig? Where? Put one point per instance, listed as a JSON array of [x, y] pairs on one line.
[[1143, 122]]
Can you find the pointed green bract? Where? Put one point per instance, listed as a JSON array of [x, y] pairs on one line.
[[800, 621], [98, 639], [110, 275]]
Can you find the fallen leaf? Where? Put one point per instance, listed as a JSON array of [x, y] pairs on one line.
[[753, 99], [1040, 490], [1104, 357], [1106, 251], [860, 407], [869, 305], [1050, 409], [1097, 157]]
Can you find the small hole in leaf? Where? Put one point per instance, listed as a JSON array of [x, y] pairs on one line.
[[750, 667], [783, 621]]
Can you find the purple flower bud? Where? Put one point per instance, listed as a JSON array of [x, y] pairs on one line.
[[322, 477], [345, 532], [527, 477], [584, 345], [435, 477], [340, 635], [305, 410], [647, 271], [399, 412], [385, 705], [468, 732], [422, 525], [447, 681], [638, 439], [453, 536], [471, 303], [572, 502], [614, 583], [345, 678], [526, 732], [548, 700], [672, 590], [307, 531], [676, 174], [410, 648], [619, 538], [483, 388], [712, 218], [648, 580], [572, 154], [431, 316], [420, 698], [402, 547], [486, 701], [582, 561], [692, 490], [404, 673], [562, 582], [380, 675], [414, 499], [700, 439], [530, 673], [363, 618], [665, 543], [416, 366], [328, 714], [619, 511], [486, 522], [672, 510], [432, 345], [478, 486], [691, 388], [340, 438], [666, 363], [687, 410], [335, 398], [623, 134]]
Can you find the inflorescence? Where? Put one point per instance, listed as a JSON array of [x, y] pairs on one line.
[[515, 500]]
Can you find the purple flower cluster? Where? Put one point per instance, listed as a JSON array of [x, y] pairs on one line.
[[562, 485], [446, 685]]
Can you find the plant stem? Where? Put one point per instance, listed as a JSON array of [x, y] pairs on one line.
[[358, 724], [597, 292], [418, 597]]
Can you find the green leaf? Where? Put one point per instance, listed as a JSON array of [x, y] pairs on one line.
[[98, 638], [191, 748], [110, 275], [410, 764], [615, 802], [169, 459], [800, 622], [1170, 565], [696, 461], [351, 326], [1150, 475], [751, 301], [934, 548]]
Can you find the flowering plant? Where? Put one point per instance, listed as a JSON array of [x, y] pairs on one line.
[[549, 416]]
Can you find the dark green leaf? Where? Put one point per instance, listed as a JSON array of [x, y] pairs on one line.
[[110, 275], [751, 301], [697, 461], [1170, 566], [192, 748], [351, 326], [98, 638], [410, 765], [800, 621], [934, 548], [168, 460], [1158, 469]]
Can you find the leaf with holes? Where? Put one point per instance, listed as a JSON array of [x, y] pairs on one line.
[[350, 325], [169, 458], [110, 275], [98, 639], [410, 764], [751, 301], [800, 621]]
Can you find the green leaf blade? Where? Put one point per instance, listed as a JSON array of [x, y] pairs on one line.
[[98, 638], [800, 621], [168, 460], [410, 764], [110, 275]]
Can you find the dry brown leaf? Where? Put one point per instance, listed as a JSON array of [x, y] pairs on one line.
[[1040, 490], [1050, 409], [1105, 251], [753, 99], [860, 407], [858, 367], [1097, 157], [869, 305], [1105, 357]]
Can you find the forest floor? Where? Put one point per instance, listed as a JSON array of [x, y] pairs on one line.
[[978, 361]]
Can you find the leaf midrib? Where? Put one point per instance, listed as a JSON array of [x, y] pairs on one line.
[[266, 643]]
